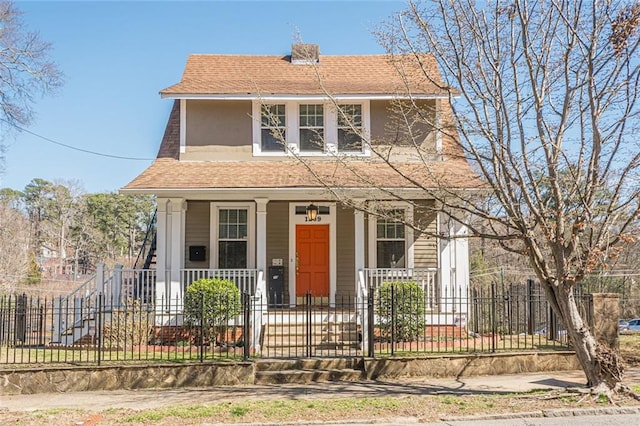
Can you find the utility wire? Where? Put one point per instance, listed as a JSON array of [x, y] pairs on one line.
[[100, 154]]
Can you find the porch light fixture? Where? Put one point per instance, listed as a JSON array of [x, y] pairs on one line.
[[312, 213]]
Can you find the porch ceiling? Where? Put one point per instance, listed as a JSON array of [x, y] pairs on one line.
[[171, 174]]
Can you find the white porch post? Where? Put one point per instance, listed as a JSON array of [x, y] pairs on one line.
[[161, 253], [359, 238], [361, 287], [454, 267], [261, 234], [175, 249]]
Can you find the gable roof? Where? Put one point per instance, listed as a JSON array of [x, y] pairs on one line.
[[255, 75]]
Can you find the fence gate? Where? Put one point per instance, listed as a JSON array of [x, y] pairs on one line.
[[314, 328]]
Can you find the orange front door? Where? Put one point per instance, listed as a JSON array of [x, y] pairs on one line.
[[312, 260]]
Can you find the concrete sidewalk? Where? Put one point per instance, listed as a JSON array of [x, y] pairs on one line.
[[151, 398]]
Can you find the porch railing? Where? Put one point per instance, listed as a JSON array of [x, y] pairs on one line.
[[425, 278], [245, 279]]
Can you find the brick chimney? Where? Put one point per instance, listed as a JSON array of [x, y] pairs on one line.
[[305, 53]]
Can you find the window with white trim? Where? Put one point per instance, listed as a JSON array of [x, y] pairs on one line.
[[233, 233], [391, 245], [311, 126], [350, 128], [273, 128]]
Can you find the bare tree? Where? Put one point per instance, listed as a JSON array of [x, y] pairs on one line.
[[543, 99], [14, 246], [26, 71]]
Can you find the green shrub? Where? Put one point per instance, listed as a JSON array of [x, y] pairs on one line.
[[401, 307], [211, 303]]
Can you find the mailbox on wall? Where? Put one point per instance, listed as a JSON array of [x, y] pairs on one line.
[[275, 290], [197, 253]]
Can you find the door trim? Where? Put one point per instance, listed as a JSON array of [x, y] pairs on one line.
[[294, 220]]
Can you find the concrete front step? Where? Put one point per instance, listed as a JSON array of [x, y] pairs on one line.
[[307, 376], [308, 370], [309, 364]]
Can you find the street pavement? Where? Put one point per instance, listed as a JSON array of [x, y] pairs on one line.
[[152, 398]]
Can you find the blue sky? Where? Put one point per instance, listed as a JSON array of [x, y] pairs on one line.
[[117, 56]]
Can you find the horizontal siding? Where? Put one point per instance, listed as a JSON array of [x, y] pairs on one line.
[[425, 246], [197, 232], [278, 238], [345, 251]]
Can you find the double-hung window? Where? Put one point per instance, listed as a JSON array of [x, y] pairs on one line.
[[350, 128], [311, 125], [391, 245], [273, 128], [233, 231]]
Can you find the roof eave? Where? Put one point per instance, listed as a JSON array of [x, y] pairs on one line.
[[294, 97]]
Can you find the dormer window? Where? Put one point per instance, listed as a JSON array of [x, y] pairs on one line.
[[310, 127], [350, 128], [273, 128]]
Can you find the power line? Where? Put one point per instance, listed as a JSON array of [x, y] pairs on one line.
[[100, 154]]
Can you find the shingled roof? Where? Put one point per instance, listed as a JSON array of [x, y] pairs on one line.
[[262, 75], [253, 75]]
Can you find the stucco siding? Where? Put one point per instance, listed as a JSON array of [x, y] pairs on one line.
[[219, 123], [197, 231], [388, 127]]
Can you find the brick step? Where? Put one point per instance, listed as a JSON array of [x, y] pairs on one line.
[[307, 376]]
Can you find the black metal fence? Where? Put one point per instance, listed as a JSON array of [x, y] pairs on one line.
[[397, 319]]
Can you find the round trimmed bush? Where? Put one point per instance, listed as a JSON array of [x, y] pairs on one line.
[[211, 303], [400, 309]]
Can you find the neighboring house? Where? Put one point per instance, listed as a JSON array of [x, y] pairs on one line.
[[257, 146]]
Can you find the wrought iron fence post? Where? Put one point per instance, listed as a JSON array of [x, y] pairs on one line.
[[494, 328], [99, 327], [202, 319], [308, 311], [246, 299], [370, 328], [393, 319], [531, 307]]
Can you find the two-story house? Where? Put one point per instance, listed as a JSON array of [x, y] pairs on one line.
[[324, 167]]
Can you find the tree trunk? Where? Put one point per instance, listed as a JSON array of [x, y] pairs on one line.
[[601, 364]]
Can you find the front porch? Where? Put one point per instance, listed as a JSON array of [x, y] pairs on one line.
[[111, 290]]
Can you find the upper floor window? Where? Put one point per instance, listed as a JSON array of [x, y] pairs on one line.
[[350, 128], [311, 127], [273, 128]]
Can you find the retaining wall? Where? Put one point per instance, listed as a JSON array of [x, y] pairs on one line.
[[78, 379]]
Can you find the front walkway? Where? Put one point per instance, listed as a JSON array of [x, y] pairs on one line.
[[416, 386]]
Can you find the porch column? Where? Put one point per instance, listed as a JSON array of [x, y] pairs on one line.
[[175, 248], [361, 285], [261, 234], [161, 252], [359, 238], [454, 267]]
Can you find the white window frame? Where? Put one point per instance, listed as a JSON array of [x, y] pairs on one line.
[[271, 128], [251, 231], [408, 234], [349, 128], [292, 129]]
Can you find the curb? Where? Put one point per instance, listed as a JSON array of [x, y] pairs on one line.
[[559, 412]]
